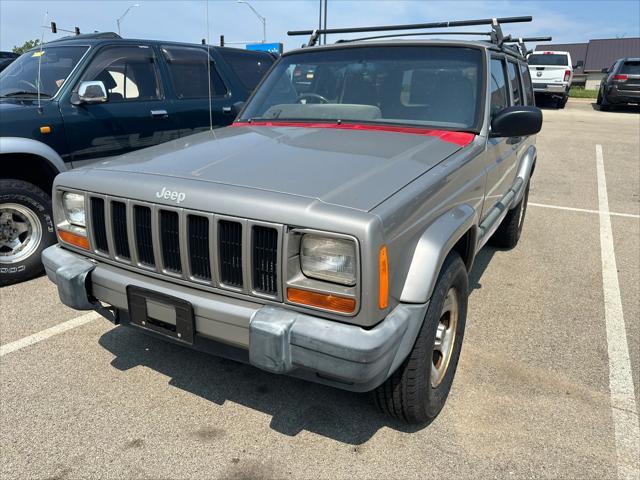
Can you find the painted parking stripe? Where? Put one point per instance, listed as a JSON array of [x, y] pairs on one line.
[[48, 333], [582, 210], [623, 401]]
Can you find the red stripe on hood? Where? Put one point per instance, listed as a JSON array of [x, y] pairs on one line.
[[458, 138]]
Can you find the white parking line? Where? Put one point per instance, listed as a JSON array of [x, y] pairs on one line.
[[48, 333], [583, 210], [623, 401]]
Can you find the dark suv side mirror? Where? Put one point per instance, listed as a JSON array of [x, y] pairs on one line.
[[518, 121]]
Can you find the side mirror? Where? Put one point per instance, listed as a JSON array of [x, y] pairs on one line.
[[518, 121], [604, 70], [580, 63], [237, 108], [91, 92]]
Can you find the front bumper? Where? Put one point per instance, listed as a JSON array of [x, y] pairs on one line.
[[275, 339]]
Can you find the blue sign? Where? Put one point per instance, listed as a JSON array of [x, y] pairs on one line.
[[266, 47]]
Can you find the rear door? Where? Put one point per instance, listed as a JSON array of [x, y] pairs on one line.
[[136, 114], [499, 149], [193, 78]]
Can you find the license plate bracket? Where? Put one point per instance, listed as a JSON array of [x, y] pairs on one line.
[[184, 329]]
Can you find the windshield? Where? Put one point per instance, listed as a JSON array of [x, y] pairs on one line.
[[554, 59], [56, 63], [421, 85]]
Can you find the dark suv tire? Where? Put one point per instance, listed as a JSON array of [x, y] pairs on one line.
[[509, 231], [414, 393], [26, 229]]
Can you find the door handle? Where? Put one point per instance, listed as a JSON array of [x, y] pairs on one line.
[[227, 110], [159, 113], [514, 140]]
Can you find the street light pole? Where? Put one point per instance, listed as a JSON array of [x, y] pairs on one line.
[[262, 19], [119, 20]]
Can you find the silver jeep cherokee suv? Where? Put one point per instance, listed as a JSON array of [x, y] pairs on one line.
[[328, 233]]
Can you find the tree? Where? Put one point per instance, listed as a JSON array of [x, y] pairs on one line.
[[28, 45]]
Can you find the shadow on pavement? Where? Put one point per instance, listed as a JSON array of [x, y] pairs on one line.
[[294, 405], [618, 108]]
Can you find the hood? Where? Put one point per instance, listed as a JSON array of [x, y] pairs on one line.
[[352, 168]]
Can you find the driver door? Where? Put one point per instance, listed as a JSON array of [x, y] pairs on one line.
[[136, 114]]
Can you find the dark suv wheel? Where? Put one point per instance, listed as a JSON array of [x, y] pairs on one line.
[[26, 228]]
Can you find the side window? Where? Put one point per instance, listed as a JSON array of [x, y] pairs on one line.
[[516, 88], [526, 79], [188, 72], [249, 67], [128, 73], [498, 87]]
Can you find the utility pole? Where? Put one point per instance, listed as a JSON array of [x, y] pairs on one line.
[[119, 20], [262, 19]]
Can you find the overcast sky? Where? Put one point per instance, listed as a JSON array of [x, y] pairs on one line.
[[566, 21]]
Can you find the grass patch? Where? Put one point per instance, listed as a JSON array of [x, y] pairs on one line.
[[580, 92]]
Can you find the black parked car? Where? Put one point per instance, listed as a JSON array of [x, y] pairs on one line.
[[80, 99], [621, 85], [6, 58]]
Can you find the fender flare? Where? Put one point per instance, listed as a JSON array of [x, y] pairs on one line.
[[10, 145], [433, 247], [524, 172]]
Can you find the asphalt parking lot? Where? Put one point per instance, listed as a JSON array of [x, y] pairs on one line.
[[542, 390]]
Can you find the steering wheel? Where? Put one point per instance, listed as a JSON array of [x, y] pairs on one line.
[[316, 96], [28, 83]]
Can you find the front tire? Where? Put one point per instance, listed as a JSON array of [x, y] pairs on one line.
[[508, 233], [26, 229], [417, 391]]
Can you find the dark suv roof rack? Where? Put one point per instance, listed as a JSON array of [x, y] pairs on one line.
[[520, 41], [496, 34], [88, 36]]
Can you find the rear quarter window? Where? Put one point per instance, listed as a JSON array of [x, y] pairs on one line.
[[249, 67]]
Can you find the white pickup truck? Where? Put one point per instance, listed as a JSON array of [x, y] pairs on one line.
[[551, 73]]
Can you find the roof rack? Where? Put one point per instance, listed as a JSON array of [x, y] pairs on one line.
[[412, 34], [496, 34], [88, 36], [522, 47]]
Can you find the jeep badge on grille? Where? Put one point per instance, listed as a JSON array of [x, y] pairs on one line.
[[177, 197]]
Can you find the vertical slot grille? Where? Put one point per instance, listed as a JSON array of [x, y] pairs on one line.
[[230, 252], [170, 239], [198, 233], [99, 225], [144, 239], [265, 259], [119, 223]]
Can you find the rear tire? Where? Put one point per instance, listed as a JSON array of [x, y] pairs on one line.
[[414, 393], [26, 229], [563, 101], [604, 105], [509, 231]]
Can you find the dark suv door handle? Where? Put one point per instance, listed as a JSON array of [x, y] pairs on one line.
[[159, 113], [227, 110]]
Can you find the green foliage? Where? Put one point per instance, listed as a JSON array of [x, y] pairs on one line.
[[581, 92], [28, 45]]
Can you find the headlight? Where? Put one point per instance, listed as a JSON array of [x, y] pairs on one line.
[[330, 259], [73, 206]]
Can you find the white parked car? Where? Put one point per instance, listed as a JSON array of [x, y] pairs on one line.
[[551, 73]]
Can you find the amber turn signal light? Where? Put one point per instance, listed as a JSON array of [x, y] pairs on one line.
[[45, 129], [321, 300], [383, 265], [73, 239]]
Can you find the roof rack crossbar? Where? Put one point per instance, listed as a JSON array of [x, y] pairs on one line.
[[412, 34], [523, 48], [494, 22]]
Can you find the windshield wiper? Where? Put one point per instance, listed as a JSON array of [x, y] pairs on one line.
[[21, 93]]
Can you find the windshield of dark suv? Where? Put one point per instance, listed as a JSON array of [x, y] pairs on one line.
[[410, 85], [21, 78], [553, 59]]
